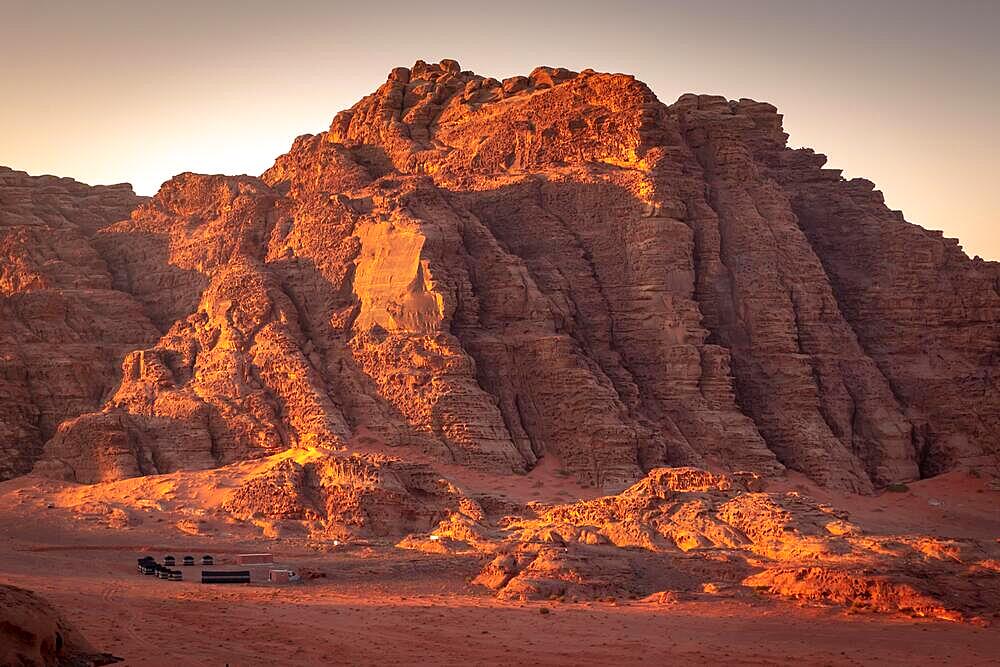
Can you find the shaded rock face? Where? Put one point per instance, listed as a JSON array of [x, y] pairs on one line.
[[64, 325], [491, 272], [33, 633]]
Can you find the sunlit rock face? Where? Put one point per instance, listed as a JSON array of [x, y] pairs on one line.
[[686, 529], [493, 272]]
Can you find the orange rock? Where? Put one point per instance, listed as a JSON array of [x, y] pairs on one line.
[[712, 536], [490, 274]]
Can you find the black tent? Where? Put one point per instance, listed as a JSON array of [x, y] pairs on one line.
[[224, 577]]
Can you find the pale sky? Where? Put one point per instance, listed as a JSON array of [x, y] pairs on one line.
[[904, 93]]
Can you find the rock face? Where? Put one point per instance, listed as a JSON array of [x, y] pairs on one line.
[[63, 325], [491, 272], [33, 634]]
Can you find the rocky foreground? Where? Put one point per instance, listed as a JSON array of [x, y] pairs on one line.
[[465, 276], [678, 531], [688, 564], [33, 633], [678, 534]]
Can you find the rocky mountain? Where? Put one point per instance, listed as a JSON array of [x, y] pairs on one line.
[[489, 273]]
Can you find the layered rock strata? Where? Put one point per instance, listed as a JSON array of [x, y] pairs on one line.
[[492, 272]]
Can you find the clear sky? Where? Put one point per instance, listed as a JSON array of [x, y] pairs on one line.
[[905, 93]]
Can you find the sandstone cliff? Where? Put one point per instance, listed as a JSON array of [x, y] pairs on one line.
[[63, 325], [491, 272]]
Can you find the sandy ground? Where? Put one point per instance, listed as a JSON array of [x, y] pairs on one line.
[[382, 605]]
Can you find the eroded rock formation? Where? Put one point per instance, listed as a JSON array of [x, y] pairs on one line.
[[685, 531], [349, 497], [491, 272]]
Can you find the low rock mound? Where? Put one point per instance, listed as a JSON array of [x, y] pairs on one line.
[[690, 532], [349, 496]]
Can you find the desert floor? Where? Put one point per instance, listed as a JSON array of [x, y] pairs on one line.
[[378, 604]]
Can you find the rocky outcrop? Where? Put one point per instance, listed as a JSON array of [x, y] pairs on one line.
[[350, 497], [491, 272], [34, 634], [687, 532], [230, 380]]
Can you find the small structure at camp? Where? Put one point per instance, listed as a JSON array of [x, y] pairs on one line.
[[169, 561], [224, 577], [281, 576], [188, 561], [254, 559], [207, 560]]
